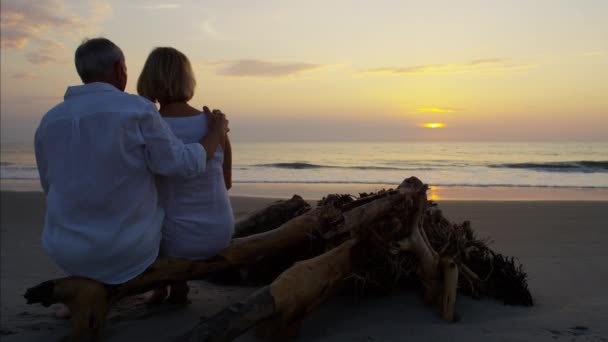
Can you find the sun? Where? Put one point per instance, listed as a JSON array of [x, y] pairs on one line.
[[433, 125]]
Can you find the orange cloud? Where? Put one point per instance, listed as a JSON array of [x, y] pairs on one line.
[[594, 53], [160, 6], [35, 26], [435, 110], [475, 66], [257, 68], [23, 75]]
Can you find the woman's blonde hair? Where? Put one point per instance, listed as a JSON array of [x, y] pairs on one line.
[[166, 77]]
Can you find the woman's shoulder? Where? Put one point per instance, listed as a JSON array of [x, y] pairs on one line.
[[191, 127], [184, 118]]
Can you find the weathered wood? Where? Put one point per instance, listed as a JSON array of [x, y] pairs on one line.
[[307, 284], [87, 300], [450, 287], [270, 217], [163, 271], [279, 308], [383, 239], [303, 287], [241, 251]]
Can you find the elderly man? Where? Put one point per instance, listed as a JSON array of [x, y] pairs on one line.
[[98, 153]]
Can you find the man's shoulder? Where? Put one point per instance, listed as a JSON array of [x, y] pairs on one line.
[[137, 102], [57, 111], [130, 105]]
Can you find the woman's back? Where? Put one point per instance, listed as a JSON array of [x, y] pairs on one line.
[[198, 215]]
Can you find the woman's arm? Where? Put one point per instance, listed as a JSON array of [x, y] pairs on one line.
[[227, 163], [224, 143]]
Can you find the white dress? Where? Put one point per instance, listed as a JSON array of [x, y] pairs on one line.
[[199, 221]]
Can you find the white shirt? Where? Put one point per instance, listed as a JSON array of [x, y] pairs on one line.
[[198, 215], [97, 154]]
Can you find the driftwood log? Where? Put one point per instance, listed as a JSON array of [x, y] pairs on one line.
[[270, 217], [374, 243]]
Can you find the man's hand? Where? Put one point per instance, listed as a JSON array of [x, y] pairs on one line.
[[218, 127], [217, 121]]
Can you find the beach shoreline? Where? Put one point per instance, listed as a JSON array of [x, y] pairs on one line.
[[560, 243], [435, 193], [315, 191]]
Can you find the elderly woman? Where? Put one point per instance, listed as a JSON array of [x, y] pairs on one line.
[[199, 221]]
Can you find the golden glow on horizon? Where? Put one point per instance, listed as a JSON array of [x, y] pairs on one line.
[[435, 110], [433, 125], [433, 193]]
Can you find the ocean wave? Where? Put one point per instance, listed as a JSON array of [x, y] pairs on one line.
[[307, 166], [583, 166], [395, 184], [15, 171], [31, 173], [295, 166]]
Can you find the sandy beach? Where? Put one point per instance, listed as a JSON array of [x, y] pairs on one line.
[[562, 245]]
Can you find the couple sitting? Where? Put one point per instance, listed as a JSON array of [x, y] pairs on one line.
[[126, 183]]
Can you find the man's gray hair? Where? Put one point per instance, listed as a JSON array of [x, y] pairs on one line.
[[95, 58]]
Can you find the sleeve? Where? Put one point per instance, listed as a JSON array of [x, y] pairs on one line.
[[166, 154], [41, 162]]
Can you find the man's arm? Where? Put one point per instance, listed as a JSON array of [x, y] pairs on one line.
[[215, 118], [217, 130], [167, 155], [41, 162]]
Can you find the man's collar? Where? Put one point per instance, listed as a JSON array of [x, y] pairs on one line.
[[94, 87]]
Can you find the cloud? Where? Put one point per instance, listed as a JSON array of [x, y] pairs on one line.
[[208, 28], [436, 110], [13, 37], [98, 13], [33, 27], [23, 75], [160, 6], [257, 68], [48, 51], [594, 53], [488, 61], [42, 56], [487, 65]]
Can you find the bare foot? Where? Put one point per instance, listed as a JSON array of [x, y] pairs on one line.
[[179, 293], [156, 296], [63, 312]]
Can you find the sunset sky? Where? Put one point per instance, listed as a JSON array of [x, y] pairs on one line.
[[378, 70]]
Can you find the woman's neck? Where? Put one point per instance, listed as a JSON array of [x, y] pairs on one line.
[[177, 109]]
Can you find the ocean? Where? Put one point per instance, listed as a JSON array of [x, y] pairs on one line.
[[579, 165]]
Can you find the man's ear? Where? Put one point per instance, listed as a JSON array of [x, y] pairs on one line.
[[117, 68]]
